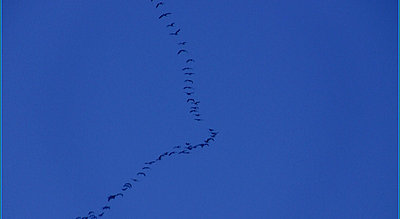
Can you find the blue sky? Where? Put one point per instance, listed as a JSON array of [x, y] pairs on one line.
[[303, 94]]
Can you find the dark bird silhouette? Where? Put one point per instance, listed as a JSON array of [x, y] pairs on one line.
[[210, 130], [182, 43], [209, 139], [114, 196], [189, 73], [144, 168], [187, 80], [181, 51], [198, 119], [128, 185], [194, 107], [189, 93], [186, 68], [106, 207], [189, 60], [176, 32], [173, 152], [101, 214], [149, 163], [91, 212], [171, 25], [134, 180], [160, 3], [141, 173], [164, 15], [192, 111], [177, 146], [124, 189], [184, 152], [188, 100], [196, 103], [188, 87], [197, 114]]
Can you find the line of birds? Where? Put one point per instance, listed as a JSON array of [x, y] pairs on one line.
[[186, 148]]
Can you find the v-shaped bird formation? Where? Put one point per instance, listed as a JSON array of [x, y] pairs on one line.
[[193, 104]]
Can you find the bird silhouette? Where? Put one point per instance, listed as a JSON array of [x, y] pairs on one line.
[[192, 111], [198, 119], [128, 185], [159, 4], [141, 173], [114, 196], [176, 32], [177, 146], [171, 25], [144, 168], [189, 60], [189, 93], [164, 15], [209, 139], [182, 43], [188, 87], [171, 153], [187, 80], [106, 207], [186, 68], [189, 73], [134, 180], [181, 51], [101, 214], [188, 100]]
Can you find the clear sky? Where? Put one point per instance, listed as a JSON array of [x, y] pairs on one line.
[[303, 94]]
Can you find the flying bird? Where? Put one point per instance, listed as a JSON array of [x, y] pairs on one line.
[[189, 93], [101, 214], [141, 173], [128, 185], [197, 114], [164, 15], [198, 119], [177, 147], [106, 207], [134, 180], [192, 111], [186, 68], [160, 3], [189, 100], [187, 80], [171, 25], [114, 196], [187, 87], [144, 168], [173, 152], [181, 51], [208, 139], [91, 212], [182, 43], [189, 73], [176, 32], [196, 103], [189, 60]]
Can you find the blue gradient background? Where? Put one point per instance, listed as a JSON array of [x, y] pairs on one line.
[[303, 92]]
